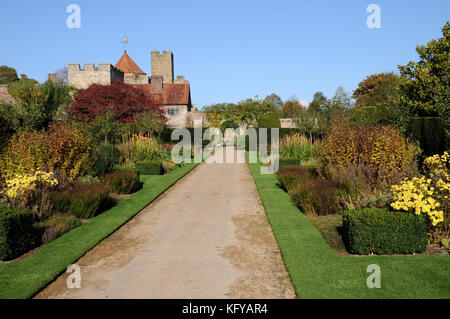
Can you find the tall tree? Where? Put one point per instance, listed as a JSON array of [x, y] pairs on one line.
[[426, 90], [376, 89], [274, 100], [319, 103], [427, 87], [292, 109], [8, 74]]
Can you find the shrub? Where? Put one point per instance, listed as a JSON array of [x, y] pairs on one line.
[[140, 148], [168, 166], [428, 195], [69, 148], [30, 191], [61, 223], [17, 234], [122, 182], [150, 167], [297, 147], [26, 153], [81, 200], [315, 196], [290, 176], [64, 148], [104, 158], [287, 162], [381, 231], [387, 154]]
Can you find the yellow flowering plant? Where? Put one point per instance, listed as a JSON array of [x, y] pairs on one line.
[[428, 194], [19, 184]]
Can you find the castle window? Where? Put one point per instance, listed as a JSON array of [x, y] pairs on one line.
[[172, 111]]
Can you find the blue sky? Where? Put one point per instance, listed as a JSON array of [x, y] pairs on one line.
[[229, 50]]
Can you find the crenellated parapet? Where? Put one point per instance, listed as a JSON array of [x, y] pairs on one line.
[[82, 78]]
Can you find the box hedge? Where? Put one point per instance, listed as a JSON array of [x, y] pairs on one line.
[[380, 231], [150, 167], [17, 234]]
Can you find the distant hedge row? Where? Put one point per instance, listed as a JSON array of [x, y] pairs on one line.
[[430, 134], [427, 130]]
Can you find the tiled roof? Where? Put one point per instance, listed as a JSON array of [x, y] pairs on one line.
[[127, 65], [172, 93]]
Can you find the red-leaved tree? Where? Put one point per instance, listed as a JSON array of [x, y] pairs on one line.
[[123, 100]]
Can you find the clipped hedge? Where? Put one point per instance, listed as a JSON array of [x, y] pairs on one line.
[[380, 231], [122, 182], [150, 167], [429, 132], [81, 200], [17, 234]]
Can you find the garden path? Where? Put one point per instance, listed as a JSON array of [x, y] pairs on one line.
[[206, 237]]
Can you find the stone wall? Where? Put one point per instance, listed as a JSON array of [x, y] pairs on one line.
[[105, 74], [179, 120], [287, 123], [136, 78], [162, 64]]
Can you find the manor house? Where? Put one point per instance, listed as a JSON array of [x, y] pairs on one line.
[[173, 95]]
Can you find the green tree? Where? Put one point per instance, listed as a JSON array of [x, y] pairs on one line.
[[105, 124], [319, 103], [426, 89], [274, 100], [427, 86], [8, 75], [35, 105]]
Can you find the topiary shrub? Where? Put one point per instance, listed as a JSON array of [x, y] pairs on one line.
[[81, 200], [122, 182], [17, 234], [103, 158], [380, 231], [150, 168]]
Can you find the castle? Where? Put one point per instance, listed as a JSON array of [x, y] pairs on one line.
[[173, 95]]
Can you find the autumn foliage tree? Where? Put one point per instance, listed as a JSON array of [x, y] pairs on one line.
[[376, 89], [124, 101]]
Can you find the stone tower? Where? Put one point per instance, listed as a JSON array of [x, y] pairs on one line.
[[162, 64]]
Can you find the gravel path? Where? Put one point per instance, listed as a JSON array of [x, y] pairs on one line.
[[206, 237]]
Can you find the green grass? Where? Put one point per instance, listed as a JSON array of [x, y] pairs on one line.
[[317, 272], [25, 278], [329, 227]]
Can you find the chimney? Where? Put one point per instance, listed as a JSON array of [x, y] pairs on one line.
[[157, 83]]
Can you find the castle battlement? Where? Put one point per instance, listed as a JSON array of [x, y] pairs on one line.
[[91, 67], [82, 78]]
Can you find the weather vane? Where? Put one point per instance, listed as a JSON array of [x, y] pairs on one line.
[[125, 42]]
